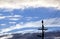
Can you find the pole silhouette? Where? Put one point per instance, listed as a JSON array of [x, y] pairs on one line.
[[42, 36], [42, 30]]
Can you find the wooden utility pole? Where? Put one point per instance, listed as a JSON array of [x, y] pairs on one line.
[[42, 30]]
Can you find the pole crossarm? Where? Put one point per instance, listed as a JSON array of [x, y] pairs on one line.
[[41, 29]]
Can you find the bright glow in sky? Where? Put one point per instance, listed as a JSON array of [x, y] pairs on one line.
[[29, 3]]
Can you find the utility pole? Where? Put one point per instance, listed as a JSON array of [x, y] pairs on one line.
[[42, 30]]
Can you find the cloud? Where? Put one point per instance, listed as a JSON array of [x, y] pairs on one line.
[[5, 10], [22, 4], [2, 24], [6, 37], [11, 17], [2, 17], [12, 22], [28, 31], [30, 18], [14, 17], [52, 22], [19, 26]]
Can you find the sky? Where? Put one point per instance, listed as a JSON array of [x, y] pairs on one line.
[[26, 15]]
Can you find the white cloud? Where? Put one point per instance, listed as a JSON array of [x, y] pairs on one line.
[[11, 17], [6, 37], [28, 31], [29, 3], [2, 24], [21, 23], [28, 18], [12, 22], [5, 9], [2, 17], [14, 17], [18, 26], [52, 22]]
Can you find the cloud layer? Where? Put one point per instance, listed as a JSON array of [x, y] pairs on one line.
[[53, 22], [13, 19], [29, 3], [6, 37]]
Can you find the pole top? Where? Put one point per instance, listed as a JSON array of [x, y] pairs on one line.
[[42, 21]]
